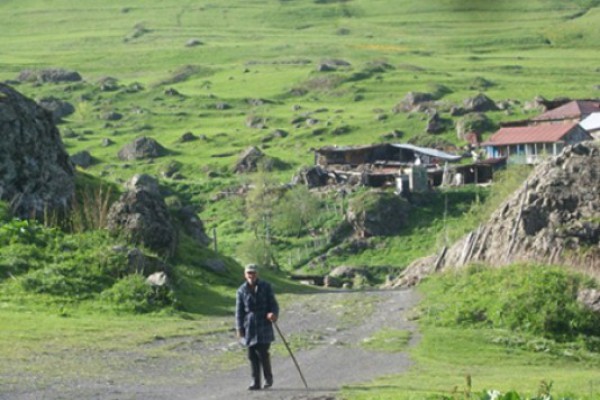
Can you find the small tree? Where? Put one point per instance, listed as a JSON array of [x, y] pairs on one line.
[[296, 210], [260, 204]]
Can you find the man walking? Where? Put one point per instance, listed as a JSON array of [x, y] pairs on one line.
[[255, 311]]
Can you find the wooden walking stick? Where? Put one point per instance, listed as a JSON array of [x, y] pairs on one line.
[[291, 354]]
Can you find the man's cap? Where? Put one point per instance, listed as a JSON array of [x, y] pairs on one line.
[[251, 268]]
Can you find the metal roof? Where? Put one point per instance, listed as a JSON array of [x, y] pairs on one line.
[[427, 151], [542, 133], [591, 123]]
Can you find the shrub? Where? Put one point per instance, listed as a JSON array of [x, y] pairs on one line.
[[133, 294], [535, 299]]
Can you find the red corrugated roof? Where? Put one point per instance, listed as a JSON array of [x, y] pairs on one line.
[[542, 133], [573, 109]]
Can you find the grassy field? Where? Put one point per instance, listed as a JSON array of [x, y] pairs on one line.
[[261, 58], [208, 67]]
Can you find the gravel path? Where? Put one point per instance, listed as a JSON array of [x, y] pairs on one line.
[[340, 324], [326, 328]]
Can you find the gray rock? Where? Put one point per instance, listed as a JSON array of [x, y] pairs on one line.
[[248, 160], [590, 298], [82, 159], [57, 107], [142, 216], [479, 103], [36, 175], [141, 148], [54, 75], [192, 225]]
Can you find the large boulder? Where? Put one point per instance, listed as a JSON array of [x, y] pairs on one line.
[[192, 225], [479, 103], [142, 216], [377, 214], [141, 148], [59, 108], [36, 175]]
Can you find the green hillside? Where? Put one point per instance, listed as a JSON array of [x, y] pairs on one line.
[[209, 68], [206, 68]]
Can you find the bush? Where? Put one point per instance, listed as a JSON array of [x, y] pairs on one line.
[[19, 258], [133, 294], [534, 299]]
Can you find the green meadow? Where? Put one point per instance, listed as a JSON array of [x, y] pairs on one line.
[[209, 67]]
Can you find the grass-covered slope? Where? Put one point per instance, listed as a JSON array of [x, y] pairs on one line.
[[208, 68]]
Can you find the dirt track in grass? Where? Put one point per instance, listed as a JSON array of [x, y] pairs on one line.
[[326, 329]]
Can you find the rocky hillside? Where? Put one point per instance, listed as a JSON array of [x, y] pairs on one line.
[[553, 218]]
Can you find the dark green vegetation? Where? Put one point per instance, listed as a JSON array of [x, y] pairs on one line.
[[258, 60]]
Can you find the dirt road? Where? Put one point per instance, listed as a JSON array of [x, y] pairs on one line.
[[327, 330]]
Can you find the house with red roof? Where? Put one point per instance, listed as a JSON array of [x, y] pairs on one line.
[[573, 111], [531, 144]]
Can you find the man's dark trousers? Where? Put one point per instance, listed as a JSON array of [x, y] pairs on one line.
[[259, 355]]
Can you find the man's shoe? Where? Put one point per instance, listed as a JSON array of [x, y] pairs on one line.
[[268, 384], [254, 386]]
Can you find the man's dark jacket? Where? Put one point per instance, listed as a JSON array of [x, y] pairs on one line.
[[251, 309]]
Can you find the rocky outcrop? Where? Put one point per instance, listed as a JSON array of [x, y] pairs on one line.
[[554, 218], [377, 214], [36, 175], [142, 216]]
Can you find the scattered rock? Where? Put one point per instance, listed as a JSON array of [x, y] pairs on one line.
[[248, 160], [187, 137], [58, 108], [141, 215], [194, 43], [479, 103], [256, 122], [141, 148], [108, 84], [412, 100], [53, 75], [435, 124], [111, 116], [192, 225], [82, 159]]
